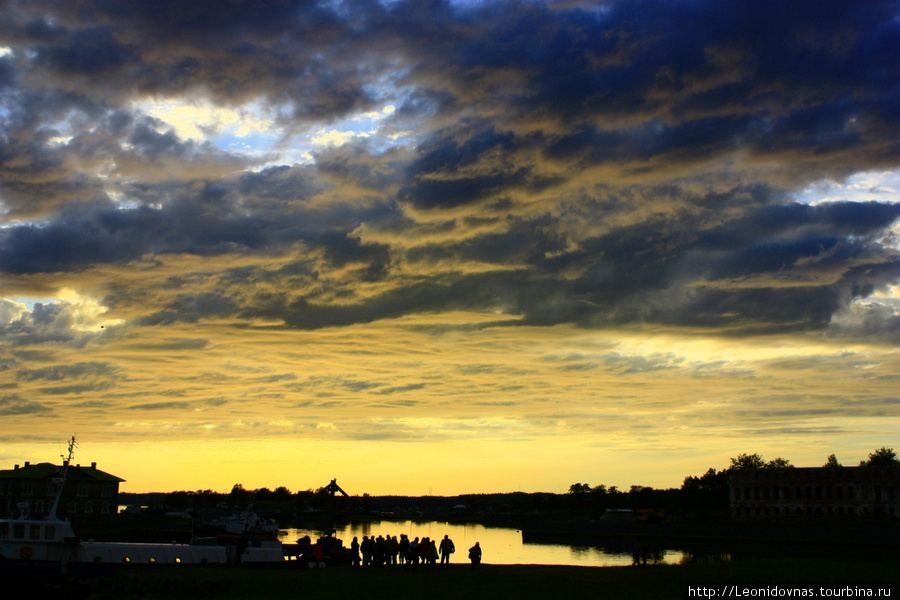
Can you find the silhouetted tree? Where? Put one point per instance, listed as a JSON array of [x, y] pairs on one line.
[[707, 493], [579, 488], [743, 462], [832, 462], [239, 497], [882, 457]]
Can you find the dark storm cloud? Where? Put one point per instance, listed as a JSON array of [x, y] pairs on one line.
[[207, 219], [671, 133], [45, 324]]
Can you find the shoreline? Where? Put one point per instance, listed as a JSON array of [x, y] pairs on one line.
[[883, 534]]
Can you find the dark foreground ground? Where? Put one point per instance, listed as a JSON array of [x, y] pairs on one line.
[[494, 582]]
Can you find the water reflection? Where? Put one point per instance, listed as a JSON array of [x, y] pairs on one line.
[[500, 545]]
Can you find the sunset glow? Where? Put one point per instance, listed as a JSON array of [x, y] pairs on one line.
[[447, 247]]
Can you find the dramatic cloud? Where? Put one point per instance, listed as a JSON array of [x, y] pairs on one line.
[[522, 222]]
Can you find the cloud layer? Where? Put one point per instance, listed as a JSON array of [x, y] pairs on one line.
[[181, 180]]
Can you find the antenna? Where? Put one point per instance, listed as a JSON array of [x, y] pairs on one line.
[[62, 484]]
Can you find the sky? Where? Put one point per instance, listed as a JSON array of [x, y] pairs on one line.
[[446, 247]]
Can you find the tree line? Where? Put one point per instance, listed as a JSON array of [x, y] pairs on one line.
[[706, 494]]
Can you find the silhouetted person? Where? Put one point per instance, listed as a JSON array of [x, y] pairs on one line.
[[432, 552], [425, 551], [475, 555], [366, 548], [403, 547], [394, 548], [447, 548], [318, 561], [412, 553], [354, 547], [379, 551]]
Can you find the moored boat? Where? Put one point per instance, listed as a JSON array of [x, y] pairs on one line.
[[51, 545]]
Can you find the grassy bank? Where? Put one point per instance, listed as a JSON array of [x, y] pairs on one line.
[[490, 582]]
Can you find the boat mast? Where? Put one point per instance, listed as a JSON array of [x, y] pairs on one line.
[[62, 482]]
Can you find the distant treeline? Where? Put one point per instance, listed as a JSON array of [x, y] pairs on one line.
[[706, 494]]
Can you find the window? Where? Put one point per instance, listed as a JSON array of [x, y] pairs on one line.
[[28, 489], [50, 532], [73, 507], [82, 490], [88, 508], [106, 491], [34, 532]]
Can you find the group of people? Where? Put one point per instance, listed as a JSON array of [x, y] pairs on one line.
[[389, 550]]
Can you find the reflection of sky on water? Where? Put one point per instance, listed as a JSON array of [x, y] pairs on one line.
[[500, 545]]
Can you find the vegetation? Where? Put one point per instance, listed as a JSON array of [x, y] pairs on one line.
[[703, 495], [882, 457]]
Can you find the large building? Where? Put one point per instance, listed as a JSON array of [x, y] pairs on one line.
[[88, 491], [823, 492]]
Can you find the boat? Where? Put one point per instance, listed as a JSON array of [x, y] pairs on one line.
[[247, 522], [51, 545]]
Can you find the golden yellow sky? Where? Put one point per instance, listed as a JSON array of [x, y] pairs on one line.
[[423, 403], [448, 247]]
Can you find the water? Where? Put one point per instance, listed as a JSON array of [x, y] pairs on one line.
[[500, 545]]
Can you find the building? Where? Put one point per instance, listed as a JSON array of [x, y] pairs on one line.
[[822, 492], [88, 491]]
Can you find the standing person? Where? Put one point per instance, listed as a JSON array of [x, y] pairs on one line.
[[475, 555], [447, 548], [379, 551], [366, 548], [404, 547], [354, 547], [424, 547], [394, 549], [432, 552], [318, 561], [412, 553]]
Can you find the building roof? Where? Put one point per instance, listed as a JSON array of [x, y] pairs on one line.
[[45, 471]]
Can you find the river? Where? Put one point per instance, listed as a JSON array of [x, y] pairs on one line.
[[500, 545]]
